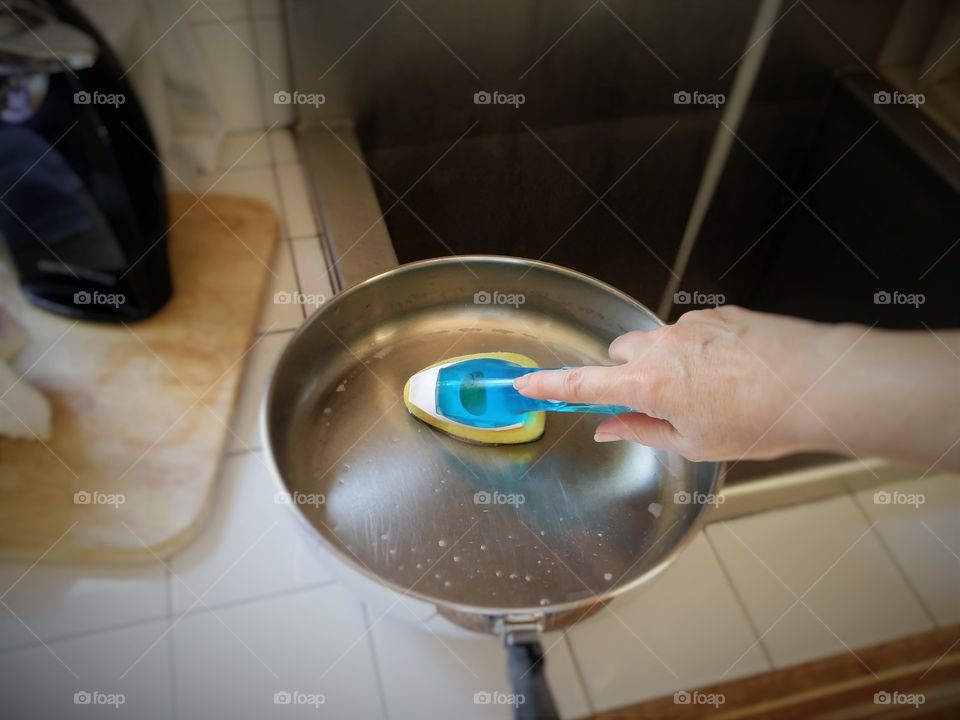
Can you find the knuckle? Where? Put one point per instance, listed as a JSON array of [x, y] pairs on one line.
[[572, 383]]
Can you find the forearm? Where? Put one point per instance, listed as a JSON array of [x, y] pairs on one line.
[[885, 394]]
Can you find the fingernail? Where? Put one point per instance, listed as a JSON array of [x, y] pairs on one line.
[[520, 382], [606, 437]]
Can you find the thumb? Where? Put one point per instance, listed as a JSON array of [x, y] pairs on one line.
[[640, 428], [594, 384]]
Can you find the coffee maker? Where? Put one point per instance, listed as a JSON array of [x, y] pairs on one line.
[[82, 202]]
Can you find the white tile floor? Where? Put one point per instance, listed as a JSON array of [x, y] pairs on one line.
[[273, 620]]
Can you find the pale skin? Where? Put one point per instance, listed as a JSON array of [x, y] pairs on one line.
[[731, 384]]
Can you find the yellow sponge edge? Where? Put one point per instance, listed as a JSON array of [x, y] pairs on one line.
[[532, 428]]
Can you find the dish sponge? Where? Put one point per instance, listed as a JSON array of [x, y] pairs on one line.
[[531, 429]]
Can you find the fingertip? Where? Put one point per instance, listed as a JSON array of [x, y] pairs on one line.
[[603, 437]]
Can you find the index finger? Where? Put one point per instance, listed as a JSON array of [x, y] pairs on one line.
[[590, 384]]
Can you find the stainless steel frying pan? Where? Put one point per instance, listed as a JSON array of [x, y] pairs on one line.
[[511, 540]]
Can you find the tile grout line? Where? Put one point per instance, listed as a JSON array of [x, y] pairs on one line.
[[171, 655], [241, 602], [68, 637], [324, 235], [285, 236], [381, 691], [757, 635], [893, 559], [578, 671]]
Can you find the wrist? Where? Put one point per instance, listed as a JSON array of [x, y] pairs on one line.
[[822, 380]]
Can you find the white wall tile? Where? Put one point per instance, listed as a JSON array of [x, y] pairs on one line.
[[228, 49], [312, 270], [249, 547], [216, 11], [858, 596], [266, 8], [312, 642], [243, 182], [245, 433], [297, 202], [250, 148], [59, 600], [924, 539], [37, 685], [274, 313], [274, 70], [685, 629], [283, 147], [436, 675]]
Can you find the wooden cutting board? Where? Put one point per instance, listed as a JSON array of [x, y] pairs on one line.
[[140, 412]]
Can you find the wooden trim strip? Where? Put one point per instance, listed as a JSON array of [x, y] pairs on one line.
[[925, 666]]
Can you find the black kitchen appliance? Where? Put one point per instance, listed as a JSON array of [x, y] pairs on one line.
[[82, 204]]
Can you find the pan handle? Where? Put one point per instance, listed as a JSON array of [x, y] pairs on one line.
[[525, 660]]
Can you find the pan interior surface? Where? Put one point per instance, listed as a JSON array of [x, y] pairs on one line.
[[555, 522]]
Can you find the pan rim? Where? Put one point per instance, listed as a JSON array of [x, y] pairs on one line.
[[691, 532]]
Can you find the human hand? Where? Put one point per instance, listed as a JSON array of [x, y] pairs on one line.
[[716, 385]]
